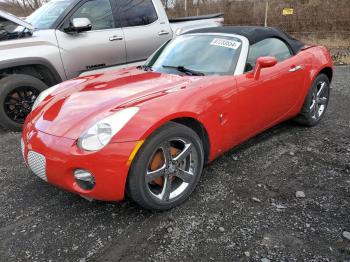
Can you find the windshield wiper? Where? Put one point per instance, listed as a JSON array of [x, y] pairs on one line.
[[185, 70], [145, 67]]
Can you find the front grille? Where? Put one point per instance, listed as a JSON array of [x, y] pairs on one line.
[[37, 163]]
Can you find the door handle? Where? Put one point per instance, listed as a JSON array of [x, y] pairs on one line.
[[163, 32], [115, 38], [296, 68]]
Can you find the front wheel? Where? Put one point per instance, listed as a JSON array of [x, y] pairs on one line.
[[167, 168], [316, 102], [17, 95]]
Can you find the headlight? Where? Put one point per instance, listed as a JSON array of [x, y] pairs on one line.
[[43, 95], [101, 133]]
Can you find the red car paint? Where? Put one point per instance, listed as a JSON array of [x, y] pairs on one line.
[[231, 109]]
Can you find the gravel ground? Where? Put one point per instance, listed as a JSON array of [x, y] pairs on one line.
[[244, 209]]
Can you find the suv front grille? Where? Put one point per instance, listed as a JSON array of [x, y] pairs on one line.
[[37, 163]]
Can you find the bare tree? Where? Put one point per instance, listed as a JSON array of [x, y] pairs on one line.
[[22, 7]]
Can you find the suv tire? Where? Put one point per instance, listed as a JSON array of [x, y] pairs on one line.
[[17, 95]]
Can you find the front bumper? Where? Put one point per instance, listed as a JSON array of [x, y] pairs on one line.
[[55, 159]]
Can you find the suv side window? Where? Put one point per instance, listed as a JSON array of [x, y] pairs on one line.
[[136, 12], [268, 47], [99, 12]]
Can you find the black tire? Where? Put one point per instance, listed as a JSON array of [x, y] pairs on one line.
[[26, 85], [308, 115], [138, 188]]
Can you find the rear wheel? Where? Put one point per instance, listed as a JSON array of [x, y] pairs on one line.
[[17, 95], [167, 168], [316, 102]]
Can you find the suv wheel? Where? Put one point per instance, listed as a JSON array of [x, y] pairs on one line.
[[17, 95]]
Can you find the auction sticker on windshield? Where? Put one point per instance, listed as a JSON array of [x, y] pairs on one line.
[[226, 43]]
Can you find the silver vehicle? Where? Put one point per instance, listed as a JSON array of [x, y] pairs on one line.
[[65, 38]]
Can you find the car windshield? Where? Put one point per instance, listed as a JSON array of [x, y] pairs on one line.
[[197, 55], [46, 16]]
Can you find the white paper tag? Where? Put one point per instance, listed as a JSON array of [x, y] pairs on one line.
[[226, 43]]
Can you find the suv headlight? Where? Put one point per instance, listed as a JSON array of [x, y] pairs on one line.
[[43, 95], [101, 133]]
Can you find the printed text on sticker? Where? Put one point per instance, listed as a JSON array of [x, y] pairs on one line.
[[226, 43]]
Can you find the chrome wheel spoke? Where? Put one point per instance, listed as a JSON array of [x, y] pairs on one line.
[[184, 153], [322, 101], [167, 153], [153, 175], [185, 176], [167, 188], [317, 109], [312, 107], [322, 88]]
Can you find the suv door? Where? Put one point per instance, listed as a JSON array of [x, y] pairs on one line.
[[144, 28], [103, 46]]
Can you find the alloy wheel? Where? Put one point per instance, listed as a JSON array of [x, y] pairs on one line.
[[319, 100], [171, 169], [18, 103]]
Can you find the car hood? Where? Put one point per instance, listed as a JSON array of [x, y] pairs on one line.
[[79, 103], [16, 20]]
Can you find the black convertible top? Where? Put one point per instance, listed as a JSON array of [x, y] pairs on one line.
[[255, 34]]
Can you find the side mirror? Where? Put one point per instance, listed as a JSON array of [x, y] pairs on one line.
[[78, 25], [263, 62]]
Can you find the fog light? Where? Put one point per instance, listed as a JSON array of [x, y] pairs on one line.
[[84, 179]]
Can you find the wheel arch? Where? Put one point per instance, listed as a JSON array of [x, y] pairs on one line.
[[36, 67], [200, 130], [188, 119], [328, 71]]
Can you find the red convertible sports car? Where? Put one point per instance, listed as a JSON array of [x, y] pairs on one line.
[[147, 131]]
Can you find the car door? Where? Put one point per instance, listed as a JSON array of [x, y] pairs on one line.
[[145, 28], [267, 100], [103, 46]]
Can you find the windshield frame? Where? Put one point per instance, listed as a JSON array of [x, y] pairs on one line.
[[240, 66]]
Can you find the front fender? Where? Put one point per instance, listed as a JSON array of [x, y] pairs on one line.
[[146, 122], [41, 48], [28, 61], [142, 126], [160, 111]]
